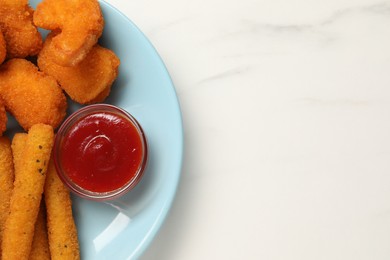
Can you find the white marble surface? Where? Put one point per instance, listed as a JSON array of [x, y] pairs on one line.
[[286, 109]]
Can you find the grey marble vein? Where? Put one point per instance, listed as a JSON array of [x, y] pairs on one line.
[[314, 101], [225, 74]]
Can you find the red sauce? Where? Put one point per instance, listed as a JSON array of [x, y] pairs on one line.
[[102, 152]]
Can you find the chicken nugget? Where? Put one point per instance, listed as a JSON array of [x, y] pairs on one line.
[[26, 195], [89, 81], [30, 95], [21, 35], [6, 181], [62, 230], [77, 33], [3, 118], [3, 49]]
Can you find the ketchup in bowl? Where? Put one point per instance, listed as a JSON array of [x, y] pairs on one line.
[[100, 152]]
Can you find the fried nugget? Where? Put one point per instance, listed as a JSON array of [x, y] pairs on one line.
[[3, 49], [77, 33], [89, 81], [21, 35], [30, 95], [62, 230], [3, 118], [26, 195], [6, 181], [40, 245]]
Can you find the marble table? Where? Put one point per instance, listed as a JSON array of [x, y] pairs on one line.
[[286, 110]]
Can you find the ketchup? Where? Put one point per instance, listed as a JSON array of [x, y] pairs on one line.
[[102, 152]]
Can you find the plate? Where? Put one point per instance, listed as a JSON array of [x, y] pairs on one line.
[[123, 228]]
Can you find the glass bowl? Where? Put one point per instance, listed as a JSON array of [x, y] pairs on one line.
[[100, 152]]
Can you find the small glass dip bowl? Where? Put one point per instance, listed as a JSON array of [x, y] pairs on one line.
[[100, 152]]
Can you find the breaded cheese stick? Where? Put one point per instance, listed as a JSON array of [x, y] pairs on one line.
[[26, 195], [62, 230], [17, 146], [6, 180], [40, 244]]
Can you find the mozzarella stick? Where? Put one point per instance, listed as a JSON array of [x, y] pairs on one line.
[[62, 232], [18, 144], [40, 244], [26, 195], [6, 180]]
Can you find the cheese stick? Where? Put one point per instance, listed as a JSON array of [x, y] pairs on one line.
[[6, 180], [18, 145], [40, 244], [62, 230], [26, 195]]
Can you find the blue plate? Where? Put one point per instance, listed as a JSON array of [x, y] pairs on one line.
[[123, 228]]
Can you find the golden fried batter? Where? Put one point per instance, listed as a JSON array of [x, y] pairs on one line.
[[40, 245], [26, 195], [30, 95], [3, 118], [6, 181], [3, 49], [18, 144], [79, 23], [21, 36], [88, 82], [62, 230]]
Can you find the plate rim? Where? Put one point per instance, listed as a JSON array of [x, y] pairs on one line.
[[153, 232]]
